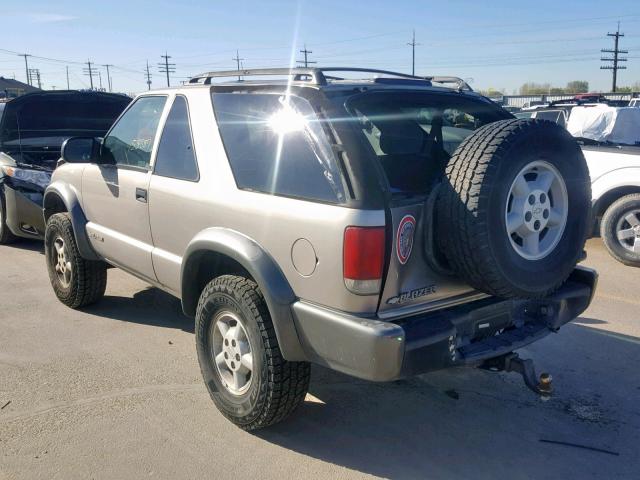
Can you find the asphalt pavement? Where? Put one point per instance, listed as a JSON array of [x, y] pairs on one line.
[[114, 392]]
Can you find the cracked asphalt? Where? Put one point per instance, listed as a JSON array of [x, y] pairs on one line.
[[115, 392]]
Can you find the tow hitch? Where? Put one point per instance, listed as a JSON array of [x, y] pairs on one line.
[[513, 363]]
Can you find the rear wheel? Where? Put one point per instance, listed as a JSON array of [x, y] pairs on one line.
[[514, 211], [620, 229], [76, 282], [247, 378], [6, 236]]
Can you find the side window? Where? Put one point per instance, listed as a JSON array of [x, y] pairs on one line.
[[277, 145], [131, 140], [175, 157]]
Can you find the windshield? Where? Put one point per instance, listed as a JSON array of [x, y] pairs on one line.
[[414, 134]]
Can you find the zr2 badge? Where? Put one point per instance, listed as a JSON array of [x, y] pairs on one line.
[[404, 238]]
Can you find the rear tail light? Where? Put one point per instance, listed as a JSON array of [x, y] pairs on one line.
[[363, 259]]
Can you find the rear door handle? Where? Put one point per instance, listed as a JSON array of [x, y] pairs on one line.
[[141, 195]]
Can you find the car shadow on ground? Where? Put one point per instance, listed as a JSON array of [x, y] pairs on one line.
[[468, 423], [25, 244], [150, 306]]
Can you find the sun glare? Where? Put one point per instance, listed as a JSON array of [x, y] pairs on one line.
[[287, 120]]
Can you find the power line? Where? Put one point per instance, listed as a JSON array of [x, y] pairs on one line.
[[306, 61], [614, 67], [413, 44], [167, 67]]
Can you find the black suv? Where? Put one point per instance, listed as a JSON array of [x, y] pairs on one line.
[[32, 130]]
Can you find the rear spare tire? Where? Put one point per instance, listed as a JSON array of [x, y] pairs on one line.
[[514, 210]]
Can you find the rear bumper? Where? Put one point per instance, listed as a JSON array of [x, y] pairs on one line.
[[464, 335]]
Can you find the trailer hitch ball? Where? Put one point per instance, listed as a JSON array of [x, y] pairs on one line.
[[513, 363]]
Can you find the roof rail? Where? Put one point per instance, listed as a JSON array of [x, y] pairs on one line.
[[317, 75]]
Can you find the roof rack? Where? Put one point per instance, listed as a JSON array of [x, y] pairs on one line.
[[317, 75]]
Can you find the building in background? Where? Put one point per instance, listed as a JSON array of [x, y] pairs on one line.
[[10, 88]]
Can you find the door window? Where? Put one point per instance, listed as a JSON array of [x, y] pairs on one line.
[[175, 157], [131, 140]]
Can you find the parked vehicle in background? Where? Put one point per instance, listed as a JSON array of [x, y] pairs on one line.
[[556, 115], [511, 108], [382, 227], [634, 102], [32, 130], [610, 140], [534, 105]]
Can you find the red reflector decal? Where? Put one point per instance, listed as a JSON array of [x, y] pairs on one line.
[[404, 238]]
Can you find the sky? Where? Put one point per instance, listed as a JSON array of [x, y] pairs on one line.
[[498, 44]]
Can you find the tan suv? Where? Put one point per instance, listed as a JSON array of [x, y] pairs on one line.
[[382, 226]]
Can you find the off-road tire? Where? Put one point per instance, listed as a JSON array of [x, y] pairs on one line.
[[6, 235], [88, 279], [278, 387], [471, 207], [608, 226]]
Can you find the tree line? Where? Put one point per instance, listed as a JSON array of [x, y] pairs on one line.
[[573, 87]]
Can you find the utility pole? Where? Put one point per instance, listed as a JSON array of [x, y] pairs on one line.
[[148, 75], [107, 65], [90, 72], [306, 52], [100, 79], [238, 60], [34, 76], [26, 66], [413, 45], [167, 67], [616, 58], [68, 78]]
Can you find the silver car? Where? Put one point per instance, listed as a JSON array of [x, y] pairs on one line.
[[381, 226]]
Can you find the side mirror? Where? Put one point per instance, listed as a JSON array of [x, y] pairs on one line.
[[81, 150]]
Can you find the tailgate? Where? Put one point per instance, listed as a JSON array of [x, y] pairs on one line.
[[411, 283]]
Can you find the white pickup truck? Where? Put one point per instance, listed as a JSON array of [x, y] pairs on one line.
[[611, 146]]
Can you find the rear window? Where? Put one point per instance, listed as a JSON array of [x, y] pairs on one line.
[[277, 145], [414, 134]]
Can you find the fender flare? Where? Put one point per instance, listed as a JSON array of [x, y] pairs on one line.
[[69, 196], [620, 177], [277, 292]]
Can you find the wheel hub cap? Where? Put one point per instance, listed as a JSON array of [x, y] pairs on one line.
[[62, 265], [628, 231], [232, 352], [536, 210]]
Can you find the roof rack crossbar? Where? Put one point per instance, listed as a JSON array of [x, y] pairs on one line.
[[317, 76]]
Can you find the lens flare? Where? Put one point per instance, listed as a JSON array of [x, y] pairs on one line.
[[287, 120]]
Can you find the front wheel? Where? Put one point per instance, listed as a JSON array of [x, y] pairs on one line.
[[620, 229], [76, 282], [243, 369]]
